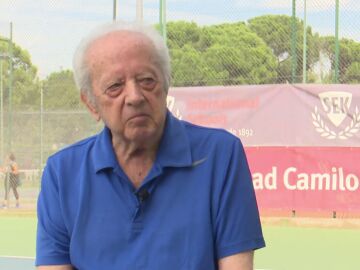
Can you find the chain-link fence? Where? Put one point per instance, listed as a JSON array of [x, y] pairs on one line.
[[290, 42], [212, 43]]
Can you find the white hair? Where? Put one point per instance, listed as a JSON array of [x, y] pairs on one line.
[[82, 74]]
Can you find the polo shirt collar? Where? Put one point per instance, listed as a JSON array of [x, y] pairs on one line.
[[103, 154], [174, 149]]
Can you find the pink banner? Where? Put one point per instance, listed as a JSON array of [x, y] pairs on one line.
[[306, 178], [302, 141], [276, 115]]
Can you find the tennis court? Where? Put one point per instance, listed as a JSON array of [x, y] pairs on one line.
[[16, 263], [292, 243]]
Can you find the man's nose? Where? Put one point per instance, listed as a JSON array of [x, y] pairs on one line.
[[134, 95]]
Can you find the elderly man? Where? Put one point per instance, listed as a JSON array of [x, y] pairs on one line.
[[150, 191]]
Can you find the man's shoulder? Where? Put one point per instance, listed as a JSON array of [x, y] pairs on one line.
[[211, 134], [209, 141], [77, 149]]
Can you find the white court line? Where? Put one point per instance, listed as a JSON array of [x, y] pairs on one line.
[[17, 257], [33, 258]]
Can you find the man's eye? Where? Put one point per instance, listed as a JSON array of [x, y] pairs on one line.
[[147, 83], [114, 90]]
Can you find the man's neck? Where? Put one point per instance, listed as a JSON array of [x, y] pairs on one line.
[[136, 159]]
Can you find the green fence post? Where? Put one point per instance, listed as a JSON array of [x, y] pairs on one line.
[[114, 10], [10, 88], [1, 111], [293, 43], [41, 127], [162, 18], [336, 71], [304, 46]]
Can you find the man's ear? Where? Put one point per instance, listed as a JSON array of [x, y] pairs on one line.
[[91, 106]]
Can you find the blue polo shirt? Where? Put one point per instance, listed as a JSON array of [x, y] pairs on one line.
[[196, 205]]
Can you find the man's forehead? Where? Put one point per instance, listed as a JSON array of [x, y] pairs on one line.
[[119, 40], [112, 51]]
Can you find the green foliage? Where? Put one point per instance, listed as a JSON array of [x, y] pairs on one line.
[[182, 59], [224, 54], [181, 33], [276, 31], [352, 74], [25, 83], [349, 56], [60, 91], [65, 118]]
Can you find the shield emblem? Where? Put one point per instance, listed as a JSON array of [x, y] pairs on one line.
[[336, 104]]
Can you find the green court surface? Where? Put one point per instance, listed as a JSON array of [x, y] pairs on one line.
[[289, 246], [309, 248], [17, 243], [17, 236]]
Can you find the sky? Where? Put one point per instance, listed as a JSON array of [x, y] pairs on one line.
[[51, 29]]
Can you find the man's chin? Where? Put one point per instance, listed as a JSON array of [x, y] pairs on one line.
[[142, 135]]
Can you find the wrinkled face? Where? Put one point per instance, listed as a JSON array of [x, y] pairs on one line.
[[128, 86]]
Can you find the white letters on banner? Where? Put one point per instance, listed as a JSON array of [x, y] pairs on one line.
[[294, 180]]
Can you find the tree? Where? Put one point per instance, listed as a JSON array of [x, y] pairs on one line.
[[236, 50], [65, 119], [182, 59], [349, 56], [60, 91], [222, 54], [181, 33], [276, 31], [25, 83], [352, 74]]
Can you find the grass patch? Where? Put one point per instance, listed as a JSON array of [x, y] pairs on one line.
[[17, 235], [289, 246], [309, 248]]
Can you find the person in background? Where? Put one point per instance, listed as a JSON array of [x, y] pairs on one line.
[[149, 191], [11, 180]]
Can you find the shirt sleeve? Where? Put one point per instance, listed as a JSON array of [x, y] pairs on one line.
[[52, 243], [237, 224]]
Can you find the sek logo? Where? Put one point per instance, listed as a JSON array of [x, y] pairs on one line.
[[337, 107]]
